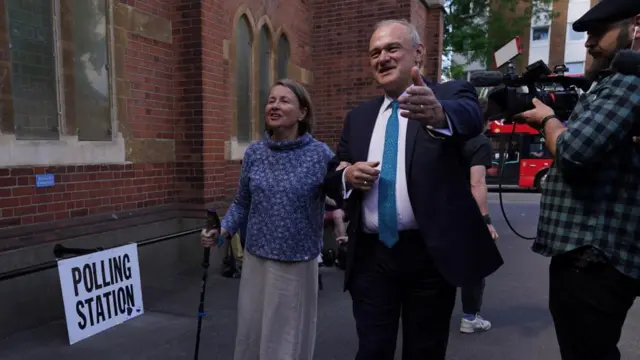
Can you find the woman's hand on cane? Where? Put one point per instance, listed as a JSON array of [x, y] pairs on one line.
[[208, 237]]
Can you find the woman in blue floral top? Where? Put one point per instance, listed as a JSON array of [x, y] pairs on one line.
[[281, 196]]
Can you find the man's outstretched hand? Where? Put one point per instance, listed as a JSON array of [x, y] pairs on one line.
[[421, 104]]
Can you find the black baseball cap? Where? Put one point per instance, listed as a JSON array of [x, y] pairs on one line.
[[607, 12]]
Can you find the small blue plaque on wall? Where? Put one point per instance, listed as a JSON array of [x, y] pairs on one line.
[[45, 180]]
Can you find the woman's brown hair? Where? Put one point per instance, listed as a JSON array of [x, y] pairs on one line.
[[304, 101]]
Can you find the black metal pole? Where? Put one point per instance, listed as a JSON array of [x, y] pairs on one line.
[[60, 250], [213, 222]]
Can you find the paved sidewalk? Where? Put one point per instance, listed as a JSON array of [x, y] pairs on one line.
[[516, 302], [167, 330]]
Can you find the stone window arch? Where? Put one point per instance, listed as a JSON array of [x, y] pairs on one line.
[[244, 69], [284, 54], [265, 77]]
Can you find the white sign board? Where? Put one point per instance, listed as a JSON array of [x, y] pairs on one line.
[[100, 290]]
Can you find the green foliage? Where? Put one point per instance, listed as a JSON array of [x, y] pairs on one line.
[[477, 28], [455, 71]]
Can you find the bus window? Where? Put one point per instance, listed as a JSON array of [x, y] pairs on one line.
[[537, 149]]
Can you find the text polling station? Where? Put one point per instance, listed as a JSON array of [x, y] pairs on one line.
[[100, 290]]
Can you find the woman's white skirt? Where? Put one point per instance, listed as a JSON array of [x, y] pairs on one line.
[[277, 309]]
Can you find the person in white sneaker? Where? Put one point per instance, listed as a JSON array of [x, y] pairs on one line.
[[477, 151]]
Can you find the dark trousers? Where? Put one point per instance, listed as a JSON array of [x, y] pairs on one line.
[[472, 297], [400, 282], [589, 303]]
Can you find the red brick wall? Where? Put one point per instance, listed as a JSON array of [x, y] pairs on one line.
[[178, 96], [342, 75], [216, 105], [81, 190], [430, 24], [145, 106], [177, 92], [419, 20], [558, 33], [433, 41], [293, 18], [188, 105]]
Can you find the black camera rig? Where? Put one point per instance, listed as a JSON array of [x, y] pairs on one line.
[[561, 92], [508, 97]]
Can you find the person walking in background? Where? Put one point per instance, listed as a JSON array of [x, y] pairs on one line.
[[282, 198], [477, 152], [337, 217], [336, 214]]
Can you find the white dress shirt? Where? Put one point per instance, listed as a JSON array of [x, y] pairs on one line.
[[406, 217]]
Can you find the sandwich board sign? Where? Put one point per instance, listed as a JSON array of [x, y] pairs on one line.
[[100, 290]]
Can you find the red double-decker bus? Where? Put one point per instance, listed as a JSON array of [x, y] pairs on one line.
[[525, 163]]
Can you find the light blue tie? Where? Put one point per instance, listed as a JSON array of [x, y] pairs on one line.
[[387, 214]]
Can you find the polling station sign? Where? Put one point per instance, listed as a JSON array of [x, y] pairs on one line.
[[100, 290]]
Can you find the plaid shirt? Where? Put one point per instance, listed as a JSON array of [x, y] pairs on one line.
[[591, 195]]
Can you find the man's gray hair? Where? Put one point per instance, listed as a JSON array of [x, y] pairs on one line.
[[413, 32]]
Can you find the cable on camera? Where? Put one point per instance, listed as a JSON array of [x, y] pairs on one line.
[[504, 213]]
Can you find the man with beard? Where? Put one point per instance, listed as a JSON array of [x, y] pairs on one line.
[[590, 208]]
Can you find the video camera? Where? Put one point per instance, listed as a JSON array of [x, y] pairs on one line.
[[508, 97]]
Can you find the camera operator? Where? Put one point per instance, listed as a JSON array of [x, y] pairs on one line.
[[590, 208]]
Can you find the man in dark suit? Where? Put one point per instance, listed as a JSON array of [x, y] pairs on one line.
[[416, 232]]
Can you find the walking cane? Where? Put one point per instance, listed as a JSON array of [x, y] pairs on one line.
[[213, 222]]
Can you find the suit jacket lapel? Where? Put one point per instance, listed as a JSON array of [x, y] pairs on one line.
[[364, 127], [413, 126]]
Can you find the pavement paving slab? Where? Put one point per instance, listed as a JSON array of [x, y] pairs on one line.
[[515, 302]]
